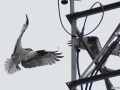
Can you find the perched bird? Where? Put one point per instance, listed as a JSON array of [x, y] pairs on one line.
[[93, 43], [27, 57], [95, 46]]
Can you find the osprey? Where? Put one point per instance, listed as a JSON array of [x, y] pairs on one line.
[[27, 57], [93, 43], [95, 46]]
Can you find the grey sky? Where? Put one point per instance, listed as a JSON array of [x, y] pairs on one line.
[[45, 32]]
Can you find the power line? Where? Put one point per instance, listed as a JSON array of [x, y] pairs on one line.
[[98, 23], [61, 21]]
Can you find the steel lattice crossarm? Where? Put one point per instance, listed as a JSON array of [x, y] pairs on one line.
[[105, 72], [92, 79], [77, 15]]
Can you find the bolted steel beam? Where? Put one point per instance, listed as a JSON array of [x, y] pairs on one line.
[[77, 15], [92, 78]]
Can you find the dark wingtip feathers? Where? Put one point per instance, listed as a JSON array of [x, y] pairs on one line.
[[27, 20]]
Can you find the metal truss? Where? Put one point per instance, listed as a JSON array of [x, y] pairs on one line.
[[109, 48]]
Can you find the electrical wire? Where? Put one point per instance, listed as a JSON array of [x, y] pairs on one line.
[[78, 69], [103, 60], [98, 23], [93, 29], [61, 21], [84, 21], [81, 32], [112, 47]]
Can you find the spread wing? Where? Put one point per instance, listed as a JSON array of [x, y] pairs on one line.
[[18, 43], [11, 65], [92, 41], [41, 58]]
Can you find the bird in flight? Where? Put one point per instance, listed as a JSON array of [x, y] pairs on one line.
[[27, 57]]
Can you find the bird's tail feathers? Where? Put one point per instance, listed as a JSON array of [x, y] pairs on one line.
[[10, 66]]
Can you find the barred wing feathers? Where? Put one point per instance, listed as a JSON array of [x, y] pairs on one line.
[[41, 58]]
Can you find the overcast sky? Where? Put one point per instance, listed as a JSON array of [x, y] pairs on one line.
[[45, 32]]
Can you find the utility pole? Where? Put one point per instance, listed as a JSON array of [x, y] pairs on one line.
[[73, 49], [73, 41]]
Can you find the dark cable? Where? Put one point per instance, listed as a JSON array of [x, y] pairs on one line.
[[78, 69], [103, 62], [78, 50], [93, 29], [103, 59], [61, 21], [98, 23]]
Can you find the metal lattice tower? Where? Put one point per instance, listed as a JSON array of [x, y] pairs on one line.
[[100, 56]]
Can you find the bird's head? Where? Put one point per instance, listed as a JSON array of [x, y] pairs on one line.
[[28, 49]]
